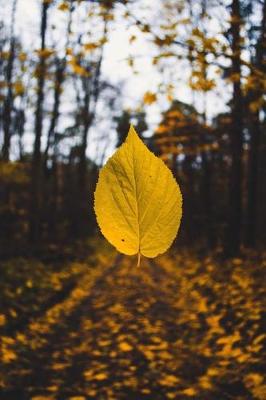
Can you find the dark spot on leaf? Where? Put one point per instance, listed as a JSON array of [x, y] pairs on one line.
[[123, 240]]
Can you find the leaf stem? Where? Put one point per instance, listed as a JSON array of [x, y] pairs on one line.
[[138, 264]]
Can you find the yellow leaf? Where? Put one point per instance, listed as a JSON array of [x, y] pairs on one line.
[[170, 97], [124, 346], [22, 57], [149, 98], [130, 62], [101, 376], [4, 54], [169, 380], [47, 398], [90, 46], [132, 38], [63, 6], [19, 88], [189, 392], [45, 53], [76, 398], [2, 319], [78, 69], [138, 203], [69, 51]]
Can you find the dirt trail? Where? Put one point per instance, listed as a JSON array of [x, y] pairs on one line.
[[127, 337]]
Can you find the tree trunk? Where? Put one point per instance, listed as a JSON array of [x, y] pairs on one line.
[[207, 199], [89, 112], [59, 78], [255, 132], [59, 81], [37, 175], [8, 103], [83, 194], [233, 237]]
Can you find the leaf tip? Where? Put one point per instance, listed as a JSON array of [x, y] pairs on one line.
[[132, 133]]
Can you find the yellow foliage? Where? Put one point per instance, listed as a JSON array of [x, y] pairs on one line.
[[19, 88], [253, 379], [124, 346], [210, 44], [101, 376], [22, 57], [164, 41], [202, 84], [7, 355], [78, 69], [169, 380], [170, 97], [75, 398], [175, 114], [162, 129], [45, 398], [255, 106], [145, 28], [130, 61], [2, 319], [132, 38], [108, 16], [197, 32], [205, 382], [4, 54], [45, 53], [64, 6], [256, 385], [13, 172], [149, 98], [234, 78], [69, 51], [138, 203], [189, 392], [103, 40], [90, 46]]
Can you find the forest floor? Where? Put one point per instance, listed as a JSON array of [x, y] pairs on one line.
[[179, 327]]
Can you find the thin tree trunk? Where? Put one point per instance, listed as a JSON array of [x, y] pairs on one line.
[[207, 184], [255, 131], [20, 131], [55, 113], [36, 183], [233, 236], [59, 80], [82, 168], [89, 113], [8, 103]]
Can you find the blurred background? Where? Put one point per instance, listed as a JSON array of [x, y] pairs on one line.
[[77, 321], [189, 75]]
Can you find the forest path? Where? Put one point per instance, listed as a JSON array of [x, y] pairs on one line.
[[124, 332]]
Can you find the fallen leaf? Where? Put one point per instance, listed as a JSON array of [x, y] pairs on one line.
[[124, 346]]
